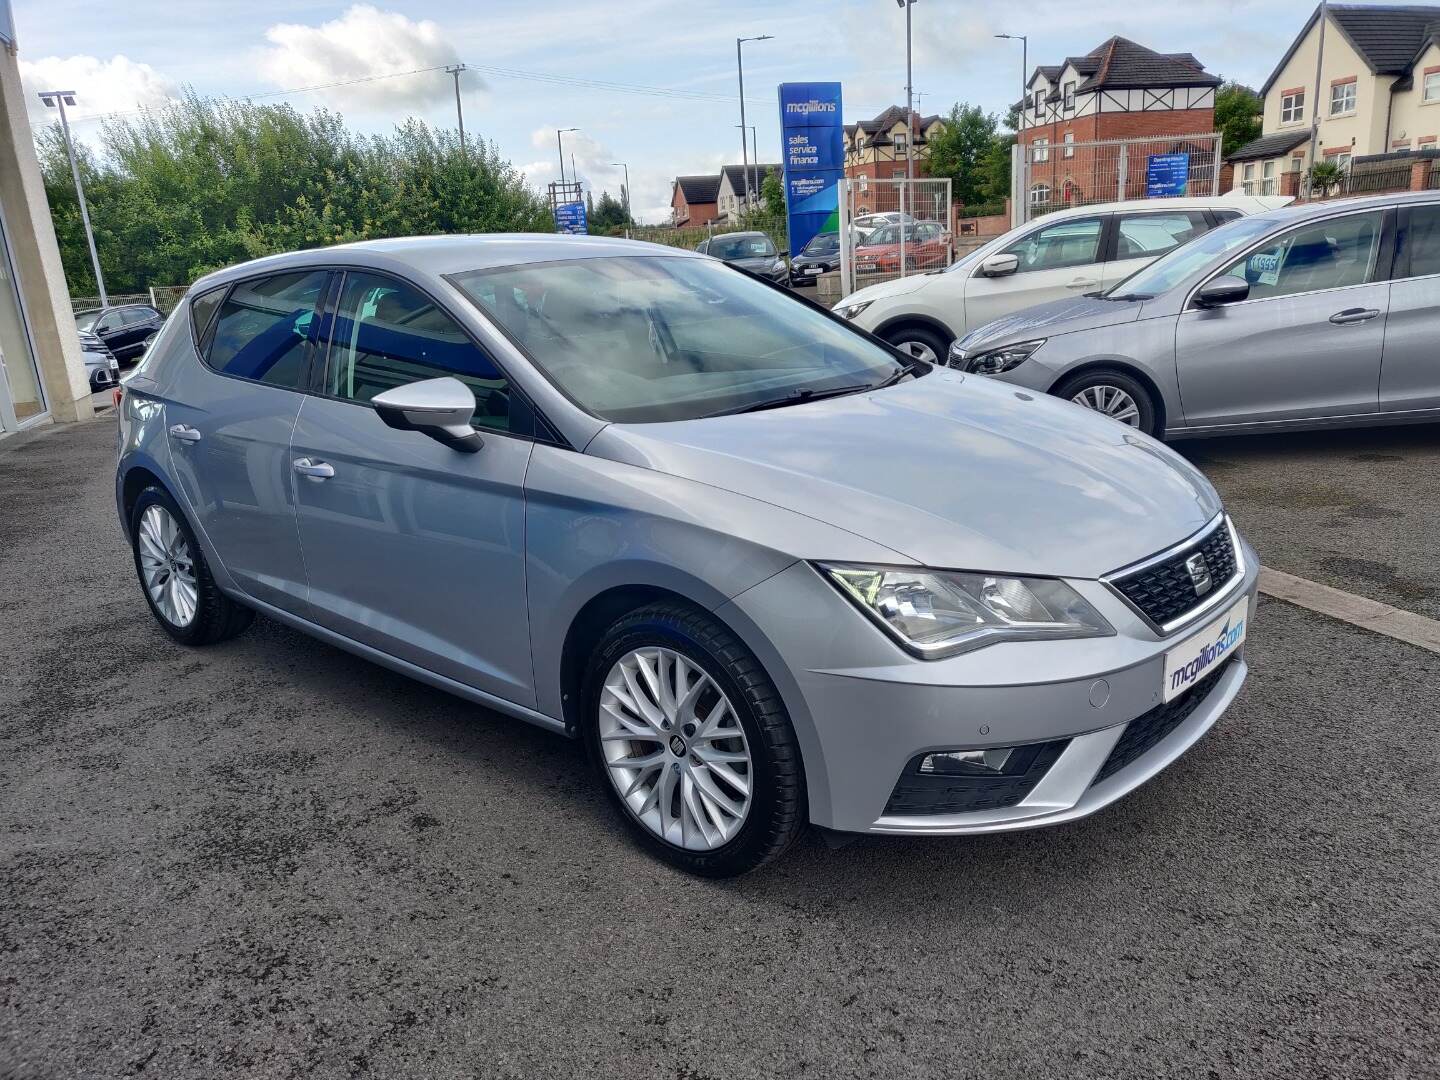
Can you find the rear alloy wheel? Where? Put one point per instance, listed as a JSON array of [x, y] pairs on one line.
[[175, 578], [693, 741], [919, 343], [1114, 395]]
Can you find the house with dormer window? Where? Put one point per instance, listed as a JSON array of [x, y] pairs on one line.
[[876, 148]]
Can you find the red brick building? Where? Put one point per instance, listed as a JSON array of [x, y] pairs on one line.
[[876, 148], [692, 200], [1118, 91]]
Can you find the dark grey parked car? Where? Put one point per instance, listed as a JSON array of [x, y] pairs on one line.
[[1321, 315], [126, 329], [753, 251]]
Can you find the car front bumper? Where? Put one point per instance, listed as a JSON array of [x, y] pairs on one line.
[[865, 711]]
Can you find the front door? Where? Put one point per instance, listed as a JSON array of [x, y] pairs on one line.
[[1142, 236], [1410, 367], [1056, 261], [411, 547], [1306, 344], [229, 419]]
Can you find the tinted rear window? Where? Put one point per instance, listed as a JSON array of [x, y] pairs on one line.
[[266, 326]]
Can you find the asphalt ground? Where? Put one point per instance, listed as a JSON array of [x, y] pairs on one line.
[[272, 859]]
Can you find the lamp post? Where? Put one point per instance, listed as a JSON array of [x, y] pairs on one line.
[[740, 70], [560, 150], [455, 70], [909, 98], [755, 153], [1024, 75], [58, 99], [626, 167], [1022, 198]]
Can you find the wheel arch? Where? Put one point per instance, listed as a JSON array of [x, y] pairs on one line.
[[1128, 369], [927, 322]]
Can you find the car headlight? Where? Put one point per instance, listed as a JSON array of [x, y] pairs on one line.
[[938, 613], [994, 361], [849, 311]]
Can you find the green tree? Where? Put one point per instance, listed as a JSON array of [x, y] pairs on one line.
[[1238, 111], [203, 184], [609, 217], [962, 151], [772, 194]]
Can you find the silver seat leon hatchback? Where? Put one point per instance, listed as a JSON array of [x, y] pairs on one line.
[[770, 571]]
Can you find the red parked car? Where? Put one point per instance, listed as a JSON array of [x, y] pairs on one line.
[[927, 247]]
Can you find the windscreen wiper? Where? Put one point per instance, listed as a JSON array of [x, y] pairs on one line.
[[797, 396], [1128, 296]]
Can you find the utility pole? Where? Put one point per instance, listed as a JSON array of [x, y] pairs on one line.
[[1315, 105], [744, 151], [909, 98], [1021, 199], [58, 99], [560, 150], [455, 70], [628, 219]]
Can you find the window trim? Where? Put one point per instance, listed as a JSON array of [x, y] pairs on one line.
[[1067, 91], [1348, 87], [1297, 106], [201, 340], [1384, 258], [1425, 86], [1112, 244]]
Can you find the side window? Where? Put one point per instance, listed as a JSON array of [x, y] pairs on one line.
[[108, 322], [1422, 240], [265, 328], [134, 316], [1222, 216], [202, 311], [388, 334], [1142, 236], [1075, 242], [1327, 255]]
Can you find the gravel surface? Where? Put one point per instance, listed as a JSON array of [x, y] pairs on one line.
[[1358, 510], [272, 859]]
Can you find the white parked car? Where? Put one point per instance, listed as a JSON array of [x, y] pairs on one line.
[[1067, 253], [866, 224]]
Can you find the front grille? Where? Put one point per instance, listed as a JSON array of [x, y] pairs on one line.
[[926, 793], [1148, 730], [1166, 590]]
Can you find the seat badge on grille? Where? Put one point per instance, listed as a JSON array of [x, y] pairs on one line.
[[1199, 573]]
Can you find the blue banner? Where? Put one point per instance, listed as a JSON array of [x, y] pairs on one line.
[[570, 218], [812, 134], [1166, 174]]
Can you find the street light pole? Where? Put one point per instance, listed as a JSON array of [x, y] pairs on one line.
[[58, 99], [560, 150], [626, 167], [740, 71], [455, 70], [909, 98], [1022, 198]]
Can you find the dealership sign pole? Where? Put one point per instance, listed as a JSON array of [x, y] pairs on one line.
[[813, 153]]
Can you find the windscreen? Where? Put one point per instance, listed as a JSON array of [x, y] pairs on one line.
[[650, 338], [740, 247], [1171, 269]]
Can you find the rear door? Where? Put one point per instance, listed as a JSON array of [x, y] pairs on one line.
[[412, 547], [1057, 260], [1138, 237], [1410, 364], [1306, 344], [230, 416]]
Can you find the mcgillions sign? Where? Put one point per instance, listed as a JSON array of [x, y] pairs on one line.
[[1224, 641], [813, 152]]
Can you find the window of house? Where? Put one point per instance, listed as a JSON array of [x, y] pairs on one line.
[[1037, 100], [1069, 144], [899, 144], [1342, 98], [266, 326], [1342, 159], [1327, 255], [1070, 95], [1248, 178], [1292, 107], [1039, 194], [1432, 88], [388, 334], [1267, 174], [1040, 150], [1297, 163]]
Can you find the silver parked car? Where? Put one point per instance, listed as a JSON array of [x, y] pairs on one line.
[[636, 497], [1321, 315]]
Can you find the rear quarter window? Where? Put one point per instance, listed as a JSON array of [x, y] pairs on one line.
[[265, 328]]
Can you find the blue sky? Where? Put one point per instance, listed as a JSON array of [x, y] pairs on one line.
[[118, 57]]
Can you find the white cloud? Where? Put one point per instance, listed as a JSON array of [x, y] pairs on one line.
[[116, 85], [362, 43]]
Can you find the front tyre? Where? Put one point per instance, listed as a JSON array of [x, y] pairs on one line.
[[693, 744], [1112, 394], [920, 343], [175, 578]]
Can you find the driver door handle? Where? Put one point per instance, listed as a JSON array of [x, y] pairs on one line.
[[1354, 315], [184, 433], [315, 470]]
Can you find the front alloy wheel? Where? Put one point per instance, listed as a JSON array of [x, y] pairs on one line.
[[1112, 401], [674, 749]]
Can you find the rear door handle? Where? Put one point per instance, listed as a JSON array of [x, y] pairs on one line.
[[1354, 315], [315, 470], [184, 434]]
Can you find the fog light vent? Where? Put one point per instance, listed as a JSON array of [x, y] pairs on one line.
[[990, 762]]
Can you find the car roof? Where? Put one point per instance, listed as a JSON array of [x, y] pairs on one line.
[[449, 254], [1177, 202]]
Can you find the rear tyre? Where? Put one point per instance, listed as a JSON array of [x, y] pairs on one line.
[[692, 743], [1112, 394], [920, 343], [174, 577]]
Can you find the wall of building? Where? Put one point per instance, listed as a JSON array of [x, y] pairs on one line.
[[1411, 115], [36, 255], [1363, 131]]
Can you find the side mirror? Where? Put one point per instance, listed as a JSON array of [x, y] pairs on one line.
[[1000, 265], [1217, 292], [440, 408]]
